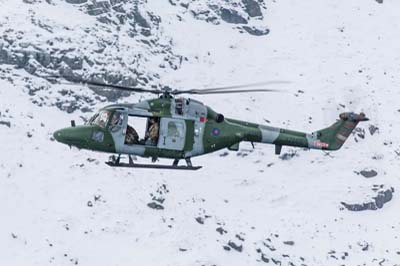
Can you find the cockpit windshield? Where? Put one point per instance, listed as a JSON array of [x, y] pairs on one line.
[[101, 119]]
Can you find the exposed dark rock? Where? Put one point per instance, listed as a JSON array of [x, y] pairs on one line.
[[369, 173], [382, 197], [238, 248], [140, 20], [264, 258], [379, 1], [289, 243], [5, 123], [364, 246], [205, 15], [226, 248], [232, 16], [360, 132], [373, 129], [31, 66], [256, 32], [252, 8], [360, 207], [242, 154], [224, 154], [200, 220], [276, 262], [155, 206], [270, 247], [21, 52], [98, 8], [221, 230], [239, 237], [288, 155], [97, 198], [69, 107], [75, 63], [158, 199], [76, 1]]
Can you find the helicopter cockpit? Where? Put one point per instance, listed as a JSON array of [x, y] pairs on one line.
[[125, 130]]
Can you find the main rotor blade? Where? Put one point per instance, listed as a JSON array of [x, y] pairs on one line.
[[258, 84], [120, 87], [201, 92], [105, 85]]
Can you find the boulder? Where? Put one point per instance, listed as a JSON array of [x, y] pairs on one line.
[[369, 173], [232, 16], [252, 8], [379, 200], [255, 31], [76, 1]]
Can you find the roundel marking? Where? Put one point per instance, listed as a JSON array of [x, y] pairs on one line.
[[216, 132]]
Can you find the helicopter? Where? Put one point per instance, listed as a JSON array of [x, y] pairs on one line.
[[181, 128]]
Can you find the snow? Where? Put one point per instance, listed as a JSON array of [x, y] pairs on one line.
[[336, 52]]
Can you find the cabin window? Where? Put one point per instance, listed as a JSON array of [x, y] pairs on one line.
[[175, 129]]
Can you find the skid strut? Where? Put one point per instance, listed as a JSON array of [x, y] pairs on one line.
[[116, 162]]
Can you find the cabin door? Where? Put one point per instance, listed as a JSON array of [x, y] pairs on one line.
[[172, 134]]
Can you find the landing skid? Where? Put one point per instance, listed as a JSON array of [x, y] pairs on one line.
[[116, 163]]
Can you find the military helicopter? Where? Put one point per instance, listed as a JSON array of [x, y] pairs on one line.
[[181, 128]]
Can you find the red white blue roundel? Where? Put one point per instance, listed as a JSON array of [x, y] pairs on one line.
[[216, 131]]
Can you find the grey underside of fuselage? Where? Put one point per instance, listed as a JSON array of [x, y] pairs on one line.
[[271, 134], [268, 134]]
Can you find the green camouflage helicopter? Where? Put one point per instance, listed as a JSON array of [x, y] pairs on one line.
[[182, 128]]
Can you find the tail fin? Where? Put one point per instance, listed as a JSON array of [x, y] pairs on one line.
[[333, 137]]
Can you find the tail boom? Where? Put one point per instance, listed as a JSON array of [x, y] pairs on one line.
[[330, 138]]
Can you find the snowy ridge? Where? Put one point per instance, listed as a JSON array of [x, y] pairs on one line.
[[66, 207]]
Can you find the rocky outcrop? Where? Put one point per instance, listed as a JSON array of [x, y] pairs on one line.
[[246, 12], [252, 8], [256, 31], [93, 52], [383, 196], [122, 42], [232, 16]]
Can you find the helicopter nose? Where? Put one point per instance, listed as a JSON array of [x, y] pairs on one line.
[[73, 136], [60, 135]]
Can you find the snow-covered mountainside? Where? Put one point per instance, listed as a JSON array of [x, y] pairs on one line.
[[66, 207]]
